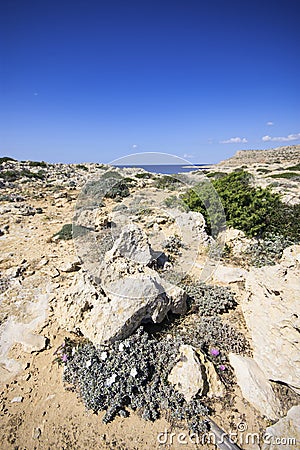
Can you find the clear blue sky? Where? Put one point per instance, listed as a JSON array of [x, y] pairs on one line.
[[97, 80]]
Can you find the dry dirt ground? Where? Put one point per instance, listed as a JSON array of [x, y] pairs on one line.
[[49, 416]]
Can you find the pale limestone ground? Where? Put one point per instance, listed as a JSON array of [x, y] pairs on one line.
[[58, 414]]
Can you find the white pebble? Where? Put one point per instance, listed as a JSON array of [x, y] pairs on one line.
[[111, 380], [17, 400], [133, 372], [88, 364], [121, 347], [103, 356]]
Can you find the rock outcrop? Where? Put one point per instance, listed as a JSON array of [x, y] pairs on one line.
[[285, 434], [271, 311], [194, 375], [254, 385], [128, 293], [286, 154]]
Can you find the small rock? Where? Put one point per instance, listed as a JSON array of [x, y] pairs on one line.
[[71, 266], [133, 372], [36, 432], [227, 274], [43, 262], [186, 375], [17, 399], [161, 220]]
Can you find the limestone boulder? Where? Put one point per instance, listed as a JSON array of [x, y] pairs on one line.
[[228, 274], [271, 311], [254, 385], [132, 244], [186, 375], [285, 434], [106, 316], [194, 375]]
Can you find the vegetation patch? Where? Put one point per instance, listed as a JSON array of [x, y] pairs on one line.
[[4, 159], [167, 182], [175, 202], [66, 232], [82, 167], [288, 175], [37, 164], [216, 174], [266, 251], [132, 373], [13, 175], [254, 210], [295, 167], [144, 175]]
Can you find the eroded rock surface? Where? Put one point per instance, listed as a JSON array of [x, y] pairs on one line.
[[254, 385], [271, 311], [285, 434], [127, 293]]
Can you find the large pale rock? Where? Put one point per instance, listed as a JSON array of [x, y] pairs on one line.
[[228, 274], [194, 374], [133, 245], [111, 314], [186, 375], [254, 385], [124, 293], [271, 311], [215, 387], [285, 434]]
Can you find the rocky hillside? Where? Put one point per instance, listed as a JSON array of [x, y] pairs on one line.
[[281, 155], [122, 316]]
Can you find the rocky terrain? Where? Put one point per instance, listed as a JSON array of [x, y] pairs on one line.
[[123, 319], [280, 155]]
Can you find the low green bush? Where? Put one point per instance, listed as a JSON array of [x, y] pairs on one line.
[[65, 233], [167, 182], [6, 159], [82, 167], [295, 167], [145, 175], [37, 164], [288, 175], [9, 175], [253, 210], [216, 174]]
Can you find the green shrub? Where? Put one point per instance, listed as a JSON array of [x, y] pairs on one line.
[[37, 164], [295, 167], [6, 159], [118, 191], [9, 175], [204, 198], [252, 210], [82, 167], [65, 233], [216, 174], [289, 175], [263, 170], [167, 182], [144, 175], [28, 174]]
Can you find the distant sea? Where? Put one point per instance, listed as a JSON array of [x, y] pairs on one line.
[[168, 169]]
